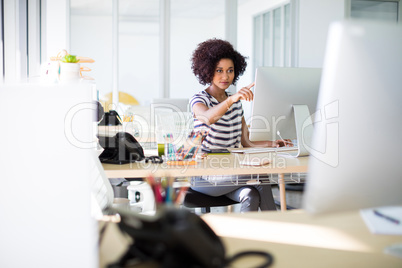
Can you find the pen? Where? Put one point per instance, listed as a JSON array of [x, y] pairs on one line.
[[379, 214]]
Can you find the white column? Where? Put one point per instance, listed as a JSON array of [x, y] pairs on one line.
[[34, 38], [43, 30], [164, 49], [282, 44], [10, 36], [231, 27], [400, 13], [57, 21], [15, 42], [1, 48], [231, 21], [294, 32], [115, 57]]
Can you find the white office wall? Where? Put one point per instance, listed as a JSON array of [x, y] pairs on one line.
[[186, 35], [246, 13], [314, 20], [57, 27], [91, 36], [139, 54], [139, 59]]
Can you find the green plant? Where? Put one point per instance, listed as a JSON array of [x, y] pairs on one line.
[[69, 59]]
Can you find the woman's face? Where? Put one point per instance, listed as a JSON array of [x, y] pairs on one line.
[[224, 74]]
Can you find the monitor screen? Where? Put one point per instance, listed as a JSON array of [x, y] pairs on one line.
[[277, 90], [355, 161]]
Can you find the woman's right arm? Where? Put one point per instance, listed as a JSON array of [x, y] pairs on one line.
[[211, 115]]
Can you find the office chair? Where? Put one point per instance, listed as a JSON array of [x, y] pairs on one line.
[[171, 104], [194, 199]]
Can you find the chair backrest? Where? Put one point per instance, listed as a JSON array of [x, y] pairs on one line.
[[179, 124], [102, 195], [194, 199], [173, 105]]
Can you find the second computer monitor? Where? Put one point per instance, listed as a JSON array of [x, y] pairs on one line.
[[356, 158], [277, 90]]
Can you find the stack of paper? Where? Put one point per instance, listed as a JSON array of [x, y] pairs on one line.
[[383, 220]]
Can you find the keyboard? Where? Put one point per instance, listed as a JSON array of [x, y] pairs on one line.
[[263, 150]]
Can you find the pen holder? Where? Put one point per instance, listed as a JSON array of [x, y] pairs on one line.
[[164, 192], [182, 149], [183, 153]]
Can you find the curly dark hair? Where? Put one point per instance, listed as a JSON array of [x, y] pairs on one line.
[[207, 55]]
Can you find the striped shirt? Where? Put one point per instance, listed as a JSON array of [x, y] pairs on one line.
[[226, 132]]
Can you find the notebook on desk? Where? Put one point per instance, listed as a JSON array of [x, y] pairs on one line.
[[255, 150]]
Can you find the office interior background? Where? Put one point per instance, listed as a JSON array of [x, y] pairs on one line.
[[145, 51], [143, 47]]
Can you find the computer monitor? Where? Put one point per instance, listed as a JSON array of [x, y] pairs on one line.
[[284, 99], [355, 159]]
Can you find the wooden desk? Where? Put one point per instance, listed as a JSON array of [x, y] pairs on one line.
[[294, 238], [228, 164]]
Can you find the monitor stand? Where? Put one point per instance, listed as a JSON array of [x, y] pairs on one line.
[[304, 128]]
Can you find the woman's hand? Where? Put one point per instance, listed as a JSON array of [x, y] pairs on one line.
[[244, 93], [282, 143], [212, 115]]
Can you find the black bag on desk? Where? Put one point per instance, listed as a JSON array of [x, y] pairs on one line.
[[122, 148], [111, 118], [175, 238], [172, 238]]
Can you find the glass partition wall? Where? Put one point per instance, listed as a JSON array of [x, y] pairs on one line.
[[139, 26]]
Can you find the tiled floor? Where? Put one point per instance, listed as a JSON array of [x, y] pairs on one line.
[[294, 199]]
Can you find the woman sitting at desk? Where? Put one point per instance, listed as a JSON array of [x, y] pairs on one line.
[[217, 64]]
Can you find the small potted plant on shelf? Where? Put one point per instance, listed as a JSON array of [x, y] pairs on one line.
[[69, 68]]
